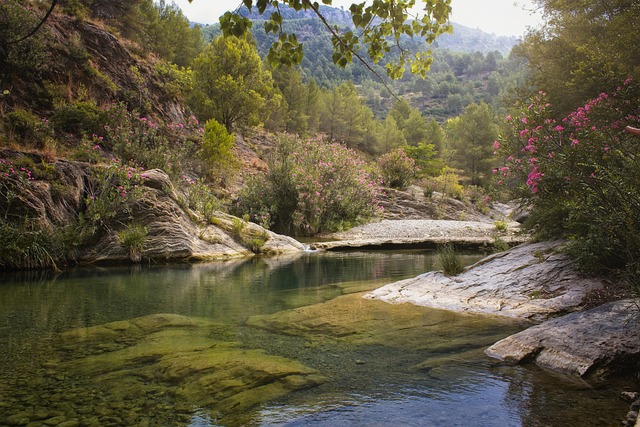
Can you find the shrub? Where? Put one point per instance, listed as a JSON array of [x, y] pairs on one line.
[[580, 176], [217, 150], [133, 238], [80, 118], [115, 188], [139, 140], [397, 169], [449, 260], [311, 187], [500, 226], [448, 184], [25, 128]]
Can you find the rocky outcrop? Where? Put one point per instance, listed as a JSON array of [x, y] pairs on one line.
[[597, 343], [55, 199], [176, 233], [422, 233], [531, 281]]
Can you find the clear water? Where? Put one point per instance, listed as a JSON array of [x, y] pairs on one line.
[[381, 364]]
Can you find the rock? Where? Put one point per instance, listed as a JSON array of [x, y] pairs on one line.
[[597, 343], [192, 360], [421, 232], [530, 281], [174, 232]]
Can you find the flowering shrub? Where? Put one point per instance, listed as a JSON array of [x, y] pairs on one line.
[[312, 186], [397, 169], [13, 178], [580, 175], [139, 140], [115, 189]]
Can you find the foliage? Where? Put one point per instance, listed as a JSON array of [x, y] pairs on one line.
[[141, 141], [231, 84], [133, 238], [449, 260], [113, 192], [23, 60], [471, 138], [343, 116], [217, 150], [425, 158], [200, 198], [579, 175], [500, 225], [25, 128], [446, 183], [586, 47], [378, 27], [397, 169], [311, 187], [79, 118]]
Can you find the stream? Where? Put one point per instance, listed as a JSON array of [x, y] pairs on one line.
[[266, 342]]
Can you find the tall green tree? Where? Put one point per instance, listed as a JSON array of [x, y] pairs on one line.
[[586, 47], [344, 117], [470, 139], [289, 81], [230, 84]]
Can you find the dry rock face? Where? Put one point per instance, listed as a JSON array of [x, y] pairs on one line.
[[174, 235], [422, 232], [174, 232], [599, 343], [531, 281]]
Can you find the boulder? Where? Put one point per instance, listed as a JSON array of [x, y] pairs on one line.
[[530, 281], [594, 344]]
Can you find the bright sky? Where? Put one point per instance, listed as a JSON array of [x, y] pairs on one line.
[[502, 17]]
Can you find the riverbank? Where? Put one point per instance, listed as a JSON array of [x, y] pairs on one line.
[[424, 233]]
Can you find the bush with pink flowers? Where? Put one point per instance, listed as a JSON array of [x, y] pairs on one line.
[[580, 174], [311, 187]]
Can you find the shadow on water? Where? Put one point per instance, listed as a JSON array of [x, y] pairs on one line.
[[264, 341]]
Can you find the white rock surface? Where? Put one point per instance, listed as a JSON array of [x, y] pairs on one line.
[[530, 281]]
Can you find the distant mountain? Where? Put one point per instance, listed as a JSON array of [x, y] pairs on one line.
[[463, 39]]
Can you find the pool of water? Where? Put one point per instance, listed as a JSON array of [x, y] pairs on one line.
[[266, 341]]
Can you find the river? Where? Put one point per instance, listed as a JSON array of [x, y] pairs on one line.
[[262, 342]]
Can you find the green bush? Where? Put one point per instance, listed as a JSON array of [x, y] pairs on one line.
[[580, 174], [217, 151], [397, 169], [27, 129], [133, 238], [80, 118], [311, 187], [113, 191], [447, 183], [449, 260]]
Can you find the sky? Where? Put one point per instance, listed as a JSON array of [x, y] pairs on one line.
[[502, 17]]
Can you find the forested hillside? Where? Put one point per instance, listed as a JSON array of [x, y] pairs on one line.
[[133, 85]]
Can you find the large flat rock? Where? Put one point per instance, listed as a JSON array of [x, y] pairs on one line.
[[425, 232], [598, 343], [530, 281]]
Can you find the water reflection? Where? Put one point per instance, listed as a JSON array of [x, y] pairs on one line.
[[62, 355]]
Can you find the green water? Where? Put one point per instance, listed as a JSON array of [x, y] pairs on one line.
[[265, 341]]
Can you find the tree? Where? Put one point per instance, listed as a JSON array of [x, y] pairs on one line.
[[231, 84], [378, 28], [471, 138], [586, 47], [344, 117], [294, 91]]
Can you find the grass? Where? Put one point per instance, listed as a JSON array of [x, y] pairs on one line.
[[449, 260]]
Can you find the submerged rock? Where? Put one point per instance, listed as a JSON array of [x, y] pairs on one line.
[[597, 343], [352, 319], [530, 281], [186, 363]]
